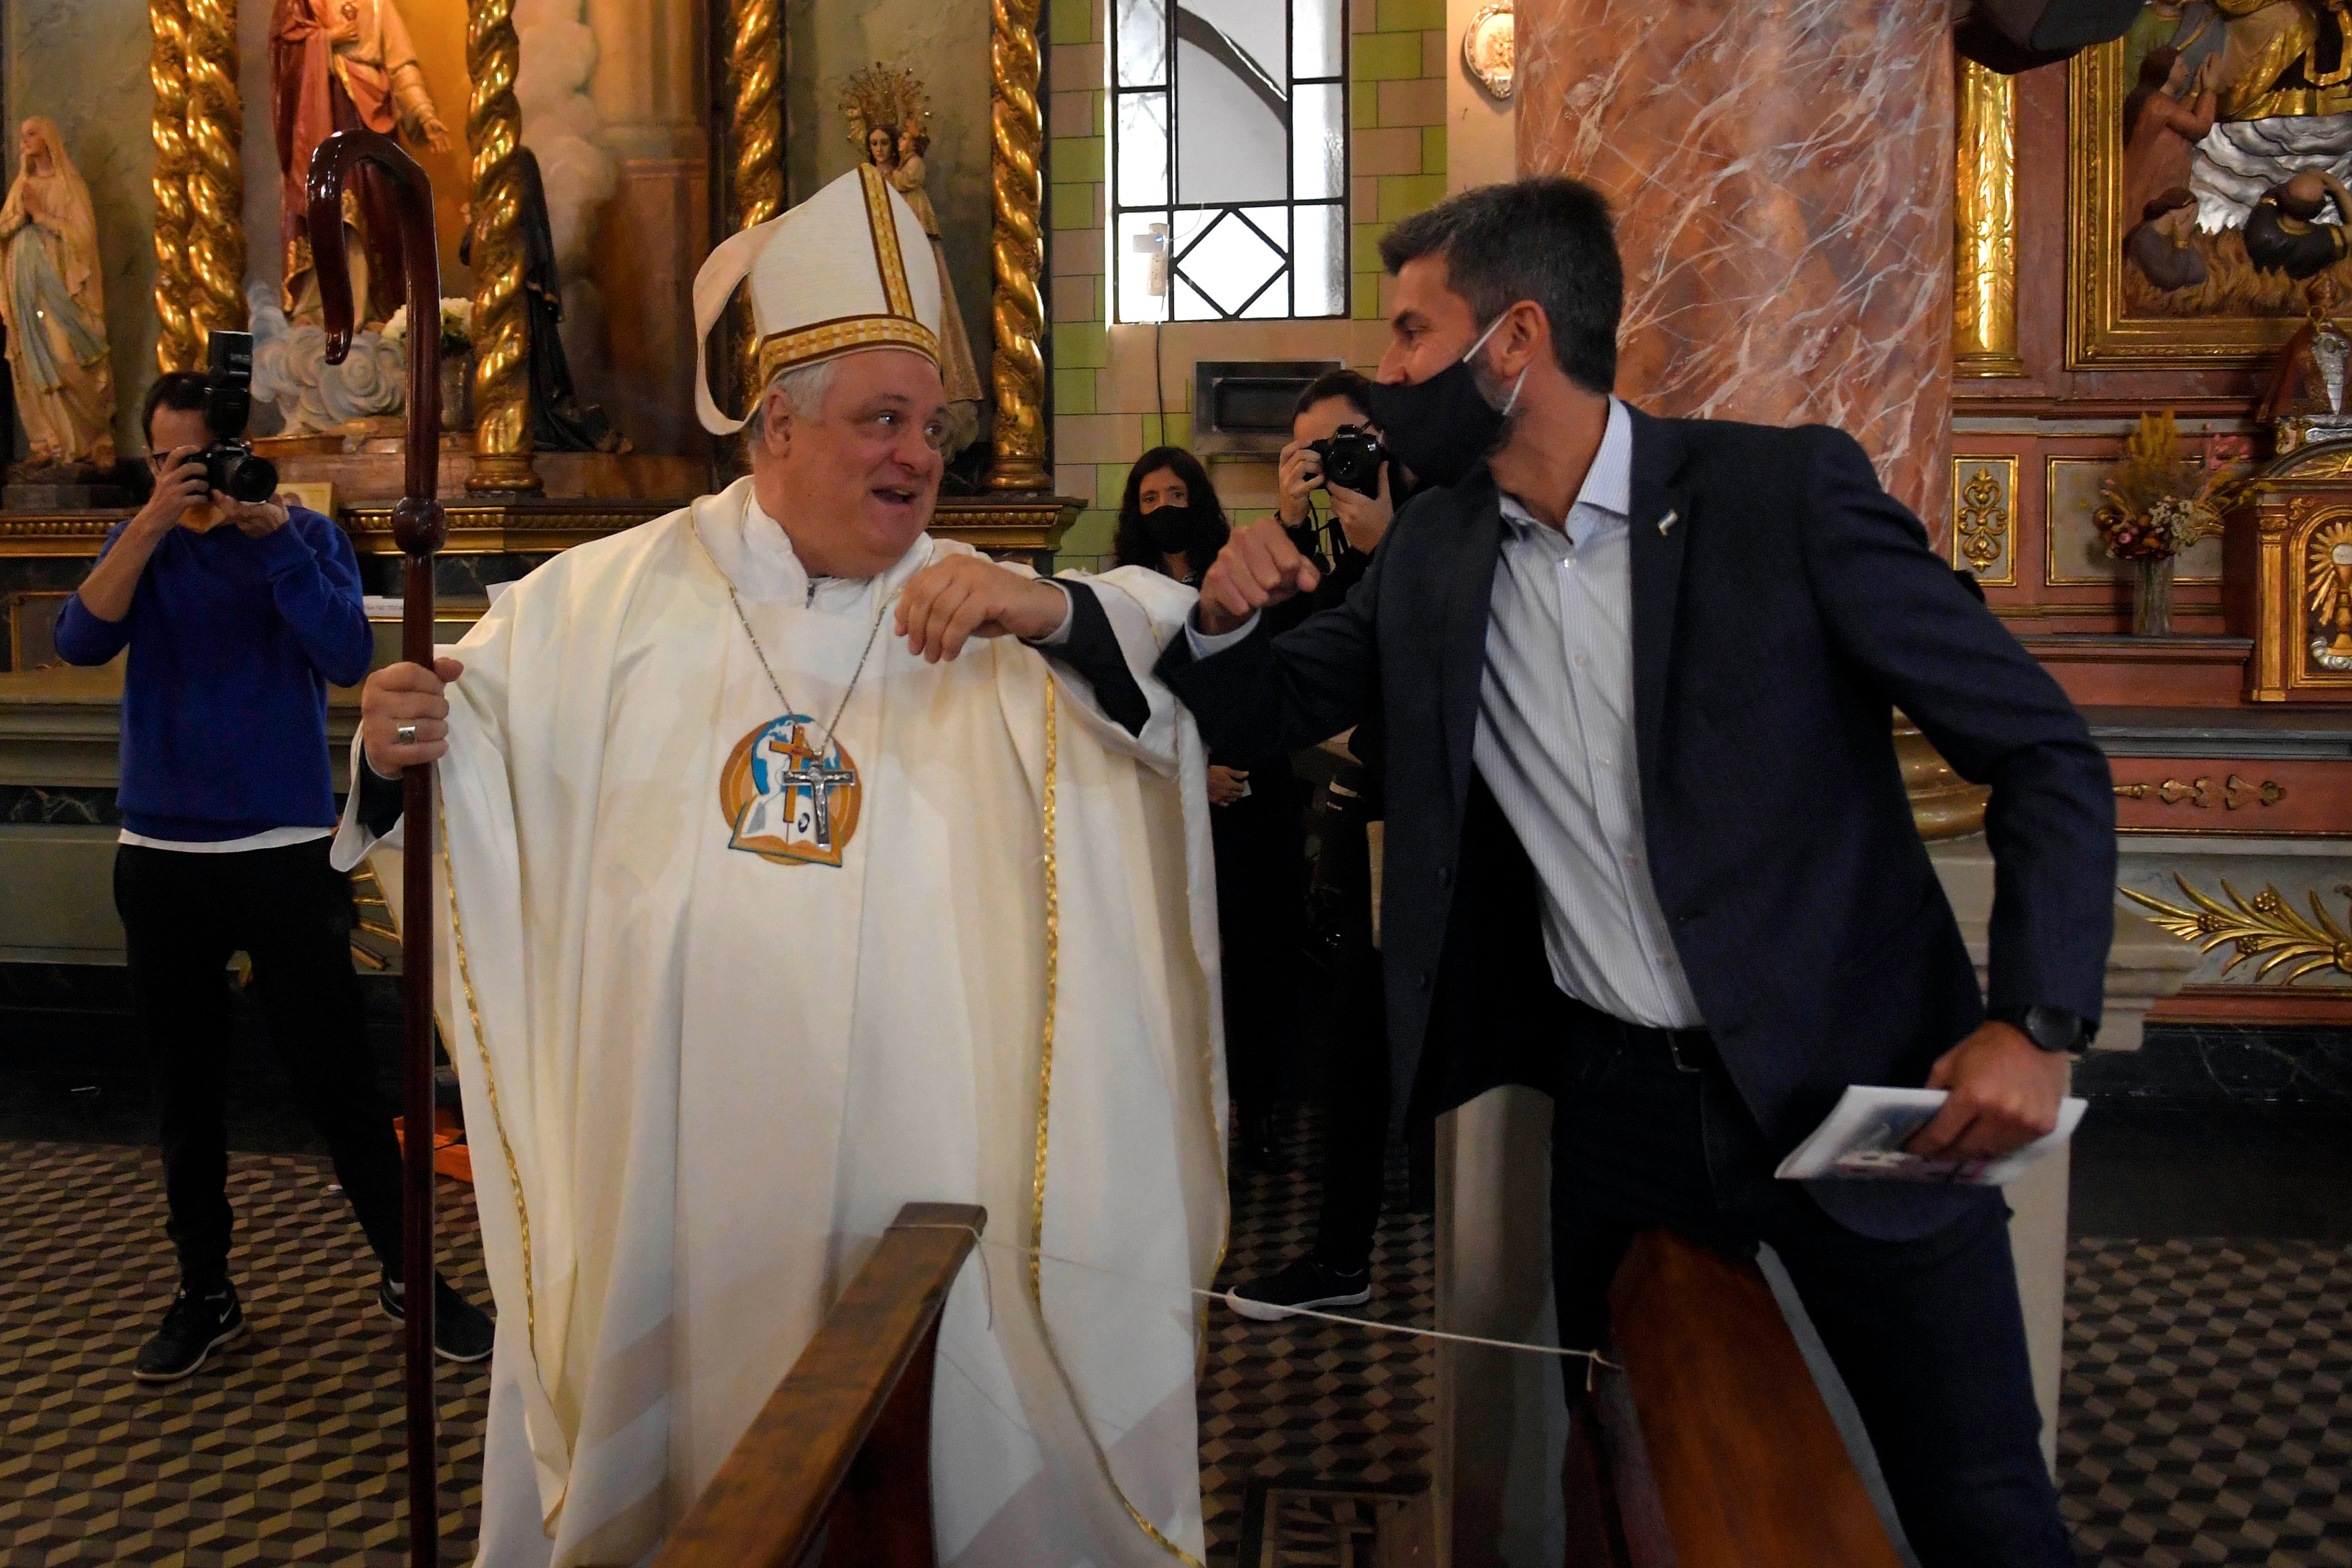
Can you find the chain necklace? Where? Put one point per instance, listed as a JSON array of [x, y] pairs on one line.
[[761, 654]]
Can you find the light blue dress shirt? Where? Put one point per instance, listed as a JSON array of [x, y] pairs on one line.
[[1555, 741]]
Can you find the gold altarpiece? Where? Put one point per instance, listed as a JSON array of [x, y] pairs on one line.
[[198, 130]]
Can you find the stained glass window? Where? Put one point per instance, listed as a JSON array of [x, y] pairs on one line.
[[1229, 171]]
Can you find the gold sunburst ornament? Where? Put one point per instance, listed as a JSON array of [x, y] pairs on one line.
[[2265, 926], [2327, 589]]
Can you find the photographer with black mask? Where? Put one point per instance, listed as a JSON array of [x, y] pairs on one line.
[[1171, 520], [1334, 447]]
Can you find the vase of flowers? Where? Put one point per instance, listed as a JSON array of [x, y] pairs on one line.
[[2158, 503], [456, 358]]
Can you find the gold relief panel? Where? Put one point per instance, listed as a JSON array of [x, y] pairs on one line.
[[1984, 519], [2075, 555], [2180, 290]]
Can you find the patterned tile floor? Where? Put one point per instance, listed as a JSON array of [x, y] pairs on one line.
[[1306, 1399], [2207, 1418], [288, 1448], [2207, 1414]]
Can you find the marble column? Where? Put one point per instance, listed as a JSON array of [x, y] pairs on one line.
[[1783, 175]]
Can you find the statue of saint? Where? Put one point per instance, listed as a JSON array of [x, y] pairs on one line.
[[340, 65], [51, 301], [887, 110]]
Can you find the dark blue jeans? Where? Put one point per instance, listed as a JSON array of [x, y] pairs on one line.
[[1927, 1333]]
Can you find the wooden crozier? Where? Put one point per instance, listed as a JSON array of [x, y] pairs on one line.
[[420, 528]]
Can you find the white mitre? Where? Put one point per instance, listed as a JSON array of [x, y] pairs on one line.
[[827, 278]]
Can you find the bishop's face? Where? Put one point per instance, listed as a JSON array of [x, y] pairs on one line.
[[853, 486]]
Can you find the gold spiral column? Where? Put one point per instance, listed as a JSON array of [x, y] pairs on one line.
[[755, 71], [177, 345], [1984, 225], [1018, 190], [215, 137], [502, 323]]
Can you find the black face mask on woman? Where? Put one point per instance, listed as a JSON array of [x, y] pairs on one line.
[[1172, 527], [1444, 428]]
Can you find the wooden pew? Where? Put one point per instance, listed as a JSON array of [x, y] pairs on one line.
[[1713, 1448], [839, 1459]]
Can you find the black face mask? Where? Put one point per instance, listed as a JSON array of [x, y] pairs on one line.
[[1171, 528], [1444, 428]]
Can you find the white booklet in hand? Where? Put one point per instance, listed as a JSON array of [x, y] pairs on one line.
[[1864, 1138]]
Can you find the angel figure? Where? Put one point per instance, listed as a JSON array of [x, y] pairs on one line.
[[885, 110], [52, 305]]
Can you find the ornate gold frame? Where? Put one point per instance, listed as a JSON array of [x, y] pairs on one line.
[[198, 126], [2099, 336], [200, 246], [1984, 225]]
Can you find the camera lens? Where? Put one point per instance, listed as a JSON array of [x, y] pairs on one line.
[[250, 478]]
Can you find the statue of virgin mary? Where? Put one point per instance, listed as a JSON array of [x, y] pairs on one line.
[[52, 303]]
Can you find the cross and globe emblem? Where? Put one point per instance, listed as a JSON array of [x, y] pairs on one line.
[[785, 799]]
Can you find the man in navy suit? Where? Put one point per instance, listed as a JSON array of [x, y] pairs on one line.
[[1628, 682]]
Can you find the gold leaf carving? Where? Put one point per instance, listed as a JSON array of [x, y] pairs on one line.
[[2265, 926], [1982, 521], [755, 58], [1018, 192], [501, 322]]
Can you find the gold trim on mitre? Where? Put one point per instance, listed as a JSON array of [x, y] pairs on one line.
[[883, 224], [828, 340]]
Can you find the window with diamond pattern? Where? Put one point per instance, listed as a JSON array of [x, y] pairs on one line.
[[1229, 158]]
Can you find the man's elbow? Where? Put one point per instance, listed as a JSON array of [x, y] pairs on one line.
[[81, 638]]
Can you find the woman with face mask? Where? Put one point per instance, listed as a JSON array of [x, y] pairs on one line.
[[1171, 520]]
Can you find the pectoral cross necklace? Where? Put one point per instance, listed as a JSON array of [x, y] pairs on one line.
[[826, 768]]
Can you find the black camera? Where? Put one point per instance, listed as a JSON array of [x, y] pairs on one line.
[[230, 466], [1351, 457]]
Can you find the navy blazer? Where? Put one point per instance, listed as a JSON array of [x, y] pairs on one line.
[[1783, 602]]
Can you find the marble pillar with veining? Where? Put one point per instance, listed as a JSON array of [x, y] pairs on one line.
[[1782, 172]]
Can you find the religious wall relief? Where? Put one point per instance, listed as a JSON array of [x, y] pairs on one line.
[[2211, 145]]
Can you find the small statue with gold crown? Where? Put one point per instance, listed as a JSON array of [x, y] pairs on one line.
[[890, 114]]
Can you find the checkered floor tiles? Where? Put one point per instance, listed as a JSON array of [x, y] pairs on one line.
[[2207, 1418], [286, 1447], [1307, 1401]]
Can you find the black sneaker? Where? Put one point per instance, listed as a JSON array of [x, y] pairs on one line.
[[193, 1329], [1309, 1282], [461, 1330]]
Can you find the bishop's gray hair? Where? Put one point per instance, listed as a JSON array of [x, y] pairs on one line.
[[804, 388]]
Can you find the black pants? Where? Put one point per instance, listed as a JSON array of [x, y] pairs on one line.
[[1927, 1333], [1356, 1098], [291, 913], [1261, 848]]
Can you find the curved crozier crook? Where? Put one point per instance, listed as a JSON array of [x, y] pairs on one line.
[[332, 167]]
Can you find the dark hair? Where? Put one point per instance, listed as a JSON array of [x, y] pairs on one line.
[[1132, 546], [2155, 71], [180, 389], [1547, 239], [1351, 385], [2171, 201]]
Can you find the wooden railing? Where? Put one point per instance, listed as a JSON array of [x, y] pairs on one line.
[[840, 1457], [1713, 1448]]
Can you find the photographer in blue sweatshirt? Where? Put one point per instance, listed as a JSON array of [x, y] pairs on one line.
[[238, 617]]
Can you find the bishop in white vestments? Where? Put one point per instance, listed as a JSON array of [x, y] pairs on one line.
[[787, 879]]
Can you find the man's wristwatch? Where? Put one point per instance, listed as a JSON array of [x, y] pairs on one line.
[[2053, 1029]]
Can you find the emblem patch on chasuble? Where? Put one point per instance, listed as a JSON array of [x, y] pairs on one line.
[[786, 800]]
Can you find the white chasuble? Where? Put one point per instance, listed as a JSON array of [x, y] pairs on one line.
[[725, 989]]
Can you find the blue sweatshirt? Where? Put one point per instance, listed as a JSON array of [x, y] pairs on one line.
[[233, 642]]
